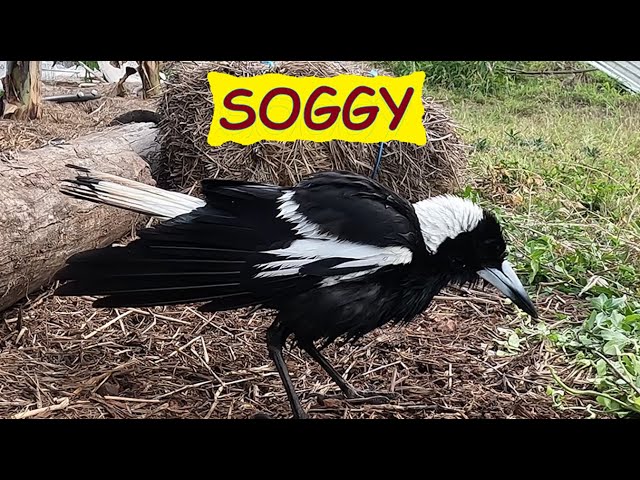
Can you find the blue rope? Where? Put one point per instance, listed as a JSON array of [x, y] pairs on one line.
[[374, 73], [377, 165]]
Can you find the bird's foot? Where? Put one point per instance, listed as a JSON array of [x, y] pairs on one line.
[[364, 397]]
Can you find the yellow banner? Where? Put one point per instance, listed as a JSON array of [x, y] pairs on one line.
[[346, 107]]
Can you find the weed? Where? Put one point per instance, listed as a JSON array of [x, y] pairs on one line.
[[608, 342]]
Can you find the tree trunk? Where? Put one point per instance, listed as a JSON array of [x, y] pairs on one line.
[[150, 74], [22, 92], [41, 227], [120, 90]]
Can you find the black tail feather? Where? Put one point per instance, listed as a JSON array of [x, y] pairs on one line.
[[207, 255], [144, 273], [152, 299]]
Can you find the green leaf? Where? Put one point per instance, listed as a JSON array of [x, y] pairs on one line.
[[601, 319], [612, 347], [590, 322], [599, 301], [630, 364], [616, 319], [619, 303], [514, 341], [585, 340], [601, 368], [561, 338], [535, 268], [559, 268], [605, 402], [585, 362], [632, 319], [614, 335], [543, 329]]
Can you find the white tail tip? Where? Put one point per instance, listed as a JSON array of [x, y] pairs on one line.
[[107, 189]]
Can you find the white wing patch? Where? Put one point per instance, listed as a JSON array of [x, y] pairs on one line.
[[321, 246], [288, 210], [446, 216]]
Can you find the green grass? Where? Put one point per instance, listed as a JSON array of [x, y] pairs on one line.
[[468, 77], [558, 159], [479, 80]]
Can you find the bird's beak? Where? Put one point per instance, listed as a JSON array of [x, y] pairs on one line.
[[506, 280]]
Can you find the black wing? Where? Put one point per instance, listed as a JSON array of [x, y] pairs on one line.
[[242, 248], [359, 209]]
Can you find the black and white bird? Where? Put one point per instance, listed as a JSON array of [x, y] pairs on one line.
[[337, 256]]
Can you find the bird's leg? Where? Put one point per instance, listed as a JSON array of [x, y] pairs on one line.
[[347, 390], [344, 386], [275, 341]]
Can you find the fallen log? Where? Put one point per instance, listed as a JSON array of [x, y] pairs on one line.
[[77, 97], [41, 227]]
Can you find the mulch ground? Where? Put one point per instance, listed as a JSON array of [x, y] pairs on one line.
[[65, 359]]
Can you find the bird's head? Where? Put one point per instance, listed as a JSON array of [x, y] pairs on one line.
[[467, 241]]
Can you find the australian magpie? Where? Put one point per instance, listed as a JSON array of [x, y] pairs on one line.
[[336, 255]]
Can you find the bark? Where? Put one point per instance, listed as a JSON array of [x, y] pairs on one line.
[[120, 90], [40, 227], [22, 92], [150, 74]]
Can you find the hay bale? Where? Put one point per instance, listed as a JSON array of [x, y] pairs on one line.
[[187, 108]]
